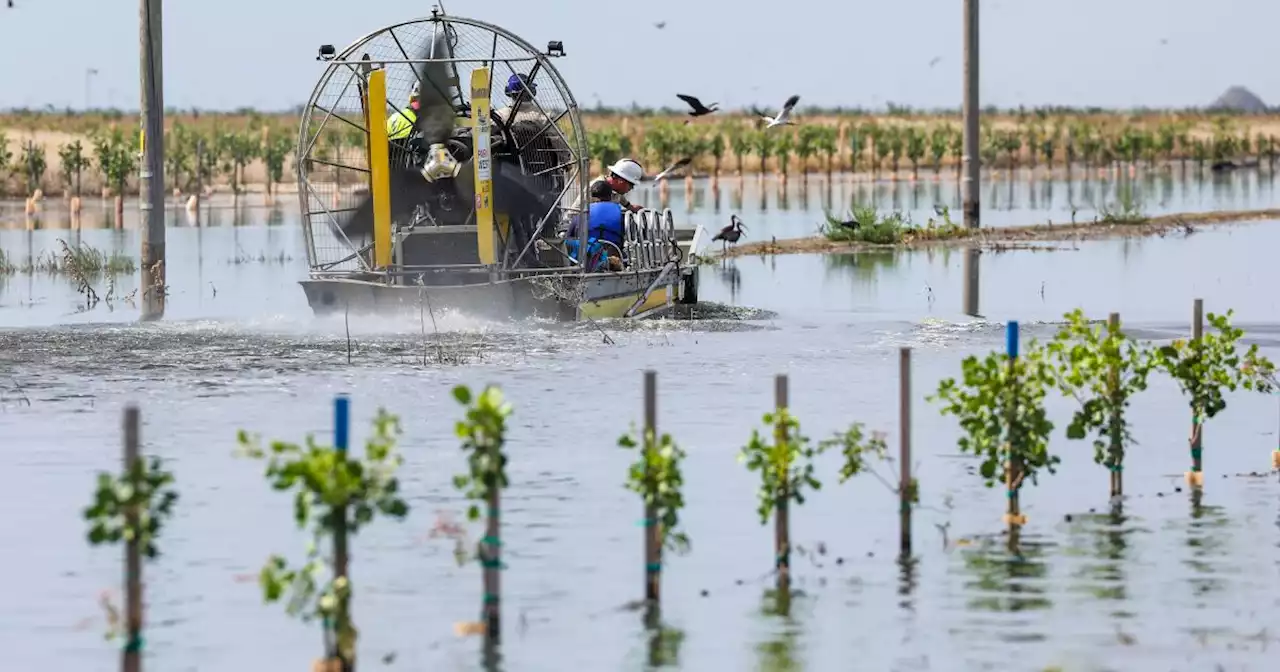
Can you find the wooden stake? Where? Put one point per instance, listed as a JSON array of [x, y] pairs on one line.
[[491, 560], [652, 533], [132, 658], [1117, 447], [905, 489], [1196, 478], [782, 532], [341, 443]]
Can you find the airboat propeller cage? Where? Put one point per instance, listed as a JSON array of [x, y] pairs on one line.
[[345, 157]]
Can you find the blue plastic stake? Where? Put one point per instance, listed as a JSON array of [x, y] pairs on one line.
[[341, 422], [1011, 339]]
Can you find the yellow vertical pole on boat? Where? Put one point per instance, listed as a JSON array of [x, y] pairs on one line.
[[484, 167], [379, 170]]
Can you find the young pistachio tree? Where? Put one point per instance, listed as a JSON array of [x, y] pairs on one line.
[[132, 507], [786, 468], [483, 433], [334, 496], [1205, 367], [1000, 404], [656, 476], [73, 160], [1101, 368], [145, 486]]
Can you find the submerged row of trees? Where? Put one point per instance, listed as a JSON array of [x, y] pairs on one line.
[[111, 157], [998, 399], [891, 146], [108, 155]]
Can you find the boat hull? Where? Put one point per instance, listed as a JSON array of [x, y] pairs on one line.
[[560, 297]]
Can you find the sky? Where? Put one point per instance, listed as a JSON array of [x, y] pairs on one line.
[[228, 54]]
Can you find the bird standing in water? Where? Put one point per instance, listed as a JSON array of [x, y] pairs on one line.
[[730, 234]]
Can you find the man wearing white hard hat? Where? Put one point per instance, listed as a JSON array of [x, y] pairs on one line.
[[622, 177]]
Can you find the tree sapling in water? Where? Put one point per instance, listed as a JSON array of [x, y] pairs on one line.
[[334, 496], [1206, 366], [1101, 368]]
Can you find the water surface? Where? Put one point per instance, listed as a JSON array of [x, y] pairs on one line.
[[1159, 585]]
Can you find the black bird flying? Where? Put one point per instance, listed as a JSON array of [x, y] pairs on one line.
[[698, 108], [681, 163]]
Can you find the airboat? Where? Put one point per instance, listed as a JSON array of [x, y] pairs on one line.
[[470, 209]]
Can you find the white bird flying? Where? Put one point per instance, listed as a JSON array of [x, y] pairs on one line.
[[784, 117]]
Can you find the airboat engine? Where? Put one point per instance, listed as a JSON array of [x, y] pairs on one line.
[[410, 143]]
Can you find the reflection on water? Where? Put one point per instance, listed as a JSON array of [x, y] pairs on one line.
[[664, 640], [1207, 542], [908, 580], [1004, 579], [780, 650], [1102, 540], [726, 271]]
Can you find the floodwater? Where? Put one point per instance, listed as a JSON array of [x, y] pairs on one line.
[[795, 211], [1163, 584]]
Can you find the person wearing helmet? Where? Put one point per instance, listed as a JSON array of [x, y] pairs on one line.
[[621, 178], [521, 90], [400, 123]]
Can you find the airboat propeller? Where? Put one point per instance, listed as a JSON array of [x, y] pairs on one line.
[[446, 184]]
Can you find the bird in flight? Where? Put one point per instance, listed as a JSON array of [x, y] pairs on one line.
[[698, 108], [673, 168], [784, 117], [659, 25], [730, 234], [935, 60]]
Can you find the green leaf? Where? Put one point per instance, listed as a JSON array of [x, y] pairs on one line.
[[462, 394]]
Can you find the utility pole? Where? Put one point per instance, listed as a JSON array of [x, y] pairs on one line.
[[972, 161], [151, 177]]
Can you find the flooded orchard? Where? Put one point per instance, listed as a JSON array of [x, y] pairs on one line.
[[1162, 583]]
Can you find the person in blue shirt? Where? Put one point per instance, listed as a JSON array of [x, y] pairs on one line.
[[606, 226]]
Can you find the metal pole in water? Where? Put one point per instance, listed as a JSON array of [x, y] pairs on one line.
[[971, 281], [972, 160], [151, 177]]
